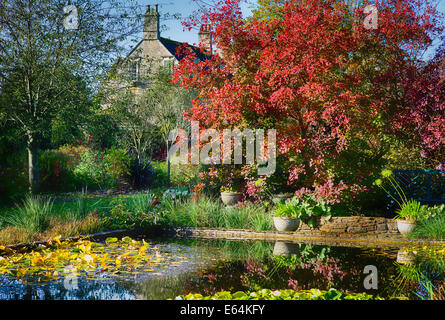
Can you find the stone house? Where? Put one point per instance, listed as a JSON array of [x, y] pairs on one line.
[[153, 51]]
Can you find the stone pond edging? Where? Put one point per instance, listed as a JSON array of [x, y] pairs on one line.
[[354, 225], [355, 231], [315, 237]]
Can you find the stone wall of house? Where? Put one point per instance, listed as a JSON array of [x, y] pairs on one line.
[[353, 225]]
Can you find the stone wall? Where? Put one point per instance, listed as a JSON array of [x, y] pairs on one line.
[[370, 225]]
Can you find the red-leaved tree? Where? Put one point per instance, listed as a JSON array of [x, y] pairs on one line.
[[424, 121], [332, 88]]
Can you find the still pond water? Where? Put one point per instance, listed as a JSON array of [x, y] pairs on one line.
[[210, 266]]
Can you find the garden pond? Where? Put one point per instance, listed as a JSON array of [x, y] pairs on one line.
[[158, 269]]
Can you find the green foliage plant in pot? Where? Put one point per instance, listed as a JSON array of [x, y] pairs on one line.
[[408, 215], [409, 212], [307, 209], [286, 216]]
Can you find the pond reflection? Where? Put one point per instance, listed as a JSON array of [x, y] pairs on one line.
[[214, 266], [422, 272]]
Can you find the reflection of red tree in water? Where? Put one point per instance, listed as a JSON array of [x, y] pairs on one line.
[[328, 269], [319, 273]]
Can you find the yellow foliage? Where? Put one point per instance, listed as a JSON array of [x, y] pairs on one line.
[[114, 257]]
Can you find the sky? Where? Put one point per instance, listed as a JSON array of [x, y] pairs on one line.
[[175, 31], [173, 27], [185, 8]]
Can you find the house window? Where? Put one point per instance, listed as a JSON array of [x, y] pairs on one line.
[[134, 71]]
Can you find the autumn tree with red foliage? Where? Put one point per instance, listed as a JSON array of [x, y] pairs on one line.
[[332, 89], [424, 121]]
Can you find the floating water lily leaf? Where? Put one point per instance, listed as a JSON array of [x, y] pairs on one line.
[[127, 240], [111, 240], [90, 259]]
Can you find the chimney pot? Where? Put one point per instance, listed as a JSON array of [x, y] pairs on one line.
[[205, 37], [151, 25]]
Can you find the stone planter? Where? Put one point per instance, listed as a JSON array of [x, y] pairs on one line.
[[282, 196], [285, 248], [286, 224], [231, 198], [405, 226]]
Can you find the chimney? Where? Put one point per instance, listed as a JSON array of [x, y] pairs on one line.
[[206, 38], [151, 25]]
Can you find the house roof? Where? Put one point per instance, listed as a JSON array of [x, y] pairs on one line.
[[172, 45]]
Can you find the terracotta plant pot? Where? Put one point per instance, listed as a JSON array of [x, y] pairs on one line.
[[405, 226], [286, 224], [231, 198]]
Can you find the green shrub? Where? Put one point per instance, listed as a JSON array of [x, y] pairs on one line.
[[134, 212], [72, 168], [13, 184], [184, 175], [434, 211], [55, 171], [117, 163], [160, 174], [91, 171], [180, 175]]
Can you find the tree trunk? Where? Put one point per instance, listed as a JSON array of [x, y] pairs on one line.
[[33, 166]]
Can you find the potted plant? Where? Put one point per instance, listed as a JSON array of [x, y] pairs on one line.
[[407, 216], [410, 211], [230, 196], [286, 216]]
